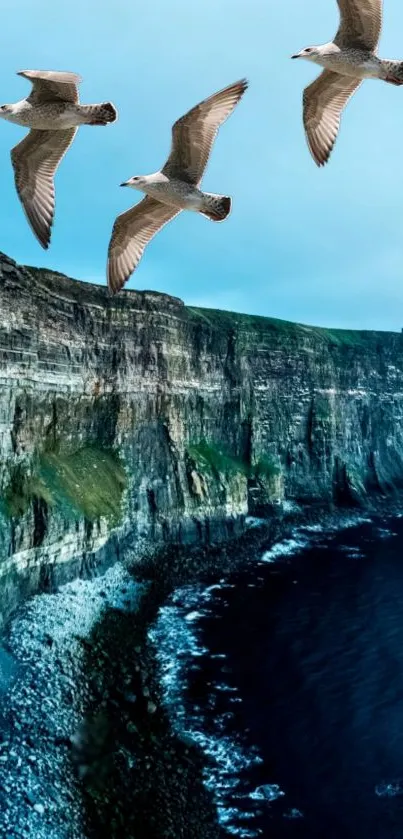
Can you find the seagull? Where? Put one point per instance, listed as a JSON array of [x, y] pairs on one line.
[[349, 59], [176, 187], [53, 113]]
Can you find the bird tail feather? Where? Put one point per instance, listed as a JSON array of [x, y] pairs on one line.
[[216, 207], [101, 114], [394, 72]]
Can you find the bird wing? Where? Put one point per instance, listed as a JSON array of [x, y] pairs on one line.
[[360, 24], [49, 85], [193, 134], [132, 231], [323, 103], [35, 160]]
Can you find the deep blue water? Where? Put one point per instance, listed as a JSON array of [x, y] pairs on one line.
[[290, 676]]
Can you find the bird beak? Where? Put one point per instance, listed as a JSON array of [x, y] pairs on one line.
[[125, 183], [297, 55]]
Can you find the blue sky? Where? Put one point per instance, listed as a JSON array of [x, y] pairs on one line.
[[318, 246]]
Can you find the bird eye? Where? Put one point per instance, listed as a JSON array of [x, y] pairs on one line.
[[308, 49]]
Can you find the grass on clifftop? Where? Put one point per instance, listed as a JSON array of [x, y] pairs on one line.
[[221, 319], [88, 482]]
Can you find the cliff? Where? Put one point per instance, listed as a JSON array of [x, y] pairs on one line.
[[137, 418]]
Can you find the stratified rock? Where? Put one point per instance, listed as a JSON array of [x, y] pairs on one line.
[[134, 419]]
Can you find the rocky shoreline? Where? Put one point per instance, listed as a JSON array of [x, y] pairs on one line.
[[140, 779], [157, 790], [86, 746]]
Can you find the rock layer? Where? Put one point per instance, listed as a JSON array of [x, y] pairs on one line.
[[136, 417]]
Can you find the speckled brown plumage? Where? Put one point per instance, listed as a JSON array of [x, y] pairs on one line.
[[347, 61], [53, 112], [175, 187]]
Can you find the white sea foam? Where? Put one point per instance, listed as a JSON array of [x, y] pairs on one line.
[[303, 537], [267, 792], [352, 551], [385, 533], [287, 547], [252, 521], [312, 528], [347, 522], [290, 507], [389, 789], [230, 816], [176, 639], [176, 642], [193, 616], [222, 686]]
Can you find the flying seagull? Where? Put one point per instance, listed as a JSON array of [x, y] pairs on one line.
[[176, 187], [349, 59], [53, 113]]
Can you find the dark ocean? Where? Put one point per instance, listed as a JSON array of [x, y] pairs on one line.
[[290, 677]]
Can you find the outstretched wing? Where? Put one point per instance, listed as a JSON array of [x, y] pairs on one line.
[[323, 103], [360, 24], [35, 161], [50, 85], [193, 134], [132, 231]]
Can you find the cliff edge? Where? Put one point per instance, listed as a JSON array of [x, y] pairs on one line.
[[136, 417]]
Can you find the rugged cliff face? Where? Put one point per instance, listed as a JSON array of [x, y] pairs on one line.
[[136, 417]]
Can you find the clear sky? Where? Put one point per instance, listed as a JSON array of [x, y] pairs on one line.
[[318, 246]]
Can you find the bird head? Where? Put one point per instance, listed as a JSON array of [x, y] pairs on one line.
[[309, 53], [137, 182]]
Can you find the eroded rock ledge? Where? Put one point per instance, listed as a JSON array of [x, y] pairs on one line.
[[137, 418]]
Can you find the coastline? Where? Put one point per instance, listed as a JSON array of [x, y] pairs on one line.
[[170, 767], [127, 767]]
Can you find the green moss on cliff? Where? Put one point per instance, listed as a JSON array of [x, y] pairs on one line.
[[21, 490], [89, 482], [266, 467], [267, 479], [210, 458], [263, 481]]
